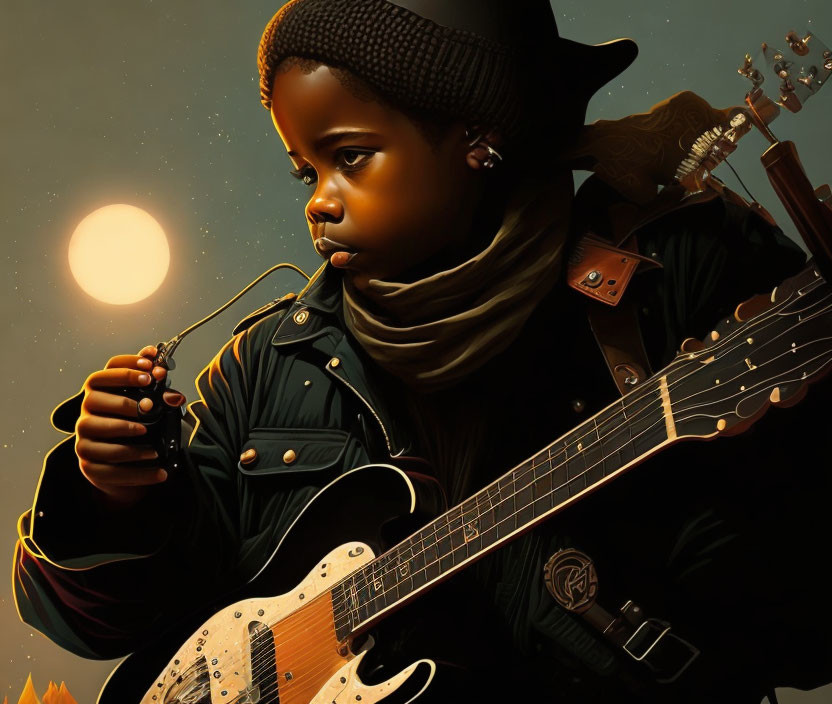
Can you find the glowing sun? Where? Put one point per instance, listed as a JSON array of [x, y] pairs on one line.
[[119, 254]]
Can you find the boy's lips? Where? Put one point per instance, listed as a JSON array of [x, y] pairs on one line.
[[339, 255]]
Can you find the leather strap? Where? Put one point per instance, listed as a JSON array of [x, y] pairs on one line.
[[649, 641], [571, 578], [618, 334]]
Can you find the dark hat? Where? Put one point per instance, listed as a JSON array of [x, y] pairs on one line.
[[495, 62], [531, 23]]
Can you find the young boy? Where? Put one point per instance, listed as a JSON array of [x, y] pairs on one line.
[[440, 328]]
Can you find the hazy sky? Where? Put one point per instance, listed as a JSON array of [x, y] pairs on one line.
[[156, 104]]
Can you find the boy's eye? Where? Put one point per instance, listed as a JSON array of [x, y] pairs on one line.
[[305, 174], [346, 160], [353, 158]]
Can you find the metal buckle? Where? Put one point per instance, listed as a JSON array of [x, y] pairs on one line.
[[646, 624], [664, 627]]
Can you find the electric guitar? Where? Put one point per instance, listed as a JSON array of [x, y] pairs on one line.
[[296, 648]]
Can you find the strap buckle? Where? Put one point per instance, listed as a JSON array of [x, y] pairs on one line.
[[670, 659]]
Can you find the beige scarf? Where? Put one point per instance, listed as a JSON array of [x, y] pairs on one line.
[[438, 329]]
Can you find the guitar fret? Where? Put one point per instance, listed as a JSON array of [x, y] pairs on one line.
[[443, 545], [680, 399], [560, 478], [533, 488], [542, 487], [524, 496], [593, 455], [390, 578], [341, 612], [488, 516], [504, 507]]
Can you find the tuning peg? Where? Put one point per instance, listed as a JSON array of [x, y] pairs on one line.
[[692, 344], [797, 44], [753, 306], [809, 79], [752, 74]]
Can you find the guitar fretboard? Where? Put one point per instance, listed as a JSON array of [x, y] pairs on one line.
[[721, 388], [575, 463]]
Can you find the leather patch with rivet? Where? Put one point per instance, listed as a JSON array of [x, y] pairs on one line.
[[248, 456], [301, 316], [570, 577], [289, 456], [601, 271]]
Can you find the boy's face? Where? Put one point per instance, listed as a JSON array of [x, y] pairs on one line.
[[402, 206]]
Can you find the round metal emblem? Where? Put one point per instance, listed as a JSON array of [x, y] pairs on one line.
[[301, 316], [571, 578]]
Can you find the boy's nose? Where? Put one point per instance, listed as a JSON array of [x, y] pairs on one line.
[[320, 210]]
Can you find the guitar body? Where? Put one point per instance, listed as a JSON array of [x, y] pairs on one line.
[[275, 639]]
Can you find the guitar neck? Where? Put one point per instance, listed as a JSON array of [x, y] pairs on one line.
[[720, 389], [621, 435]]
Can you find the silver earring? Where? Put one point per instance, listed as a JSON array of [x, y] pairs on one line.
[[478, 141], [492, 154]]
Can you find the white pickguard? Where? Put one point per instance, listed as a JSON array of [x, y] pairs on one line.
[[224, 643]]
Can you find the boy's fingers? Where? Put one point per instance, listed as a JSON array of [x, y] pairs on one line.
[[98, 427], [104, 476], [111, 453], [149, 351], [118, 377], [130, 361], [100, 402]]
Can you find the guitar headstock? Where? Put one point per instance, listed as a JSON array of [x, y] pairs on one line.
[[766, 354], [783, 75], [795, 70]]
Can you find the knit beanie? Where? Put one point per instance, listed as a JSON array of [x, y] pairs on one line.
[[489, 76]]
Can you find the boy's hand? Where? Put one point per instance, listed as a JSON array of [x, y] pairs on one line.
[[122, 472]]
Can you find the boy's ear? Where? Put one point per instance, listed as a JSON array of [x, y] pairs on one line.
[[484, 146]]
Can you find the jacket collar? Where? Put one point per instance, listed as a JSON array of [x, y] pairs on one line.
[[315, 318], [323, 291], [315, 311]]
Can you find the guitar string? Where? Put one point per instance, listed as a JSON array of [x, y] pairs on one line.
[[673, 384], [827, 362], [454, 550], [686, 358], [496, 525], [494, 506], [490, 498], [275, 687], [562, 452], [328, 616], [306, 623], [747, 390], [499, 523], [768, 314], [270, 662], [753, 322], [756, 350], [476, 496]]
